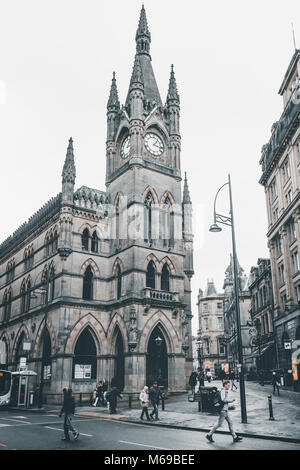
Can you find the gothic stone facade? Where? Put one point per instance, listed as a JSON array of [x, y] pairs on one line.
[[83, 282]]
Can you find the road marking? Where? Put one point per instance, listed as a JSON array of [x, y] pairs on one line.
[[22, 417], [144, 445], [3, 425], [61, 430], [3, 445], [18, 421]]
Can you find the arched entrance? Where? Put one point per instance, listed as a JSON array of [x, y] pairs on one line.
[[119, 366], [85, 357], [157, 358], [47, 361]]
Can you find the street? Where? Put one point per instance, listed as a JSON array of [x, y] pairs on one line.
[[35, 431]]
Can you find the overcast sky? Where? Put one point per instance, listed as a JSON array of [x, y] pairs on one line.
[[230, 57]]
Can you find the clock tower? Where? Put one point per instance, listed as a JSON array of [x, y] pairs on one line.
[[152, 232]]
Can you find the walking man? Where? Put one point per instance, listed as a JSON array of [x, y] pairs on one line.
[[232, 378], [224, 414], [155, 395], [68, 409], [275, 382]]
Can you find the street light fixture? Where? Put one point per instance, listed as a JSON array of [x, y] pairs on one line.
[[215, 228]]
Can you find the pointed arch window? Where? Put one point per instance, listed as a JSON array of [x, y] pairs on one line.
[[167, 223], [119, 281], [85, 239], [23, 297], [95, 242], [51, 286], [150, 275], [85, 357], [165, 278], [88, 284], [6, 305], [148, 217]]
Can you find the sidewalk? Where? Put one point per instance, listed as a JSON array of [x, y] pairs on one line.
[[180, 413]]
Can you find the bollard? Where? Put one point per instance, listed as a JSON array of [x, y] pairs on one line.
[[162, 404], [271, 418], [80, 398], [130, 401]]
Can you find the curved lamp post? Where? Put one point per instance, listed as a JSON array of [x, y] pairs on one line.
[[218, 218]]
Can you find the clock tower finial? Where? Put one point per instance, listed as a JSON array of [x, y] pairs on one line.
[[143, 35]]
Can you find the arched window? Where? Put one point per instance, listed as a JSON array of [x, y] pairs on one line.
[[51, 285], [88, 284], [6, 305], [85, 239], [27, 295], [23, 297], [167, 220], [3, 354], [150, 275], [148, 217], [95, 242], [85, 357], [165, 278], [119, 282]]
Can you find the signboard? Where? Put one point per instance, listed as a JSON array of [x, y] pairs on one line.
[[83, 371], [225, 367], [47, 372], [22, 361], [287, 345], [294, 368]]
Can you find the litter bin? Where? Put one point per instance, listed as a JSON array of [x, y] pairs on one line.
[[208, 395]]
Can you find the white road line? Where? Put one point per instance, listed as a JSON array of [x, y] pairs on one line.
[[61, 430], [18, 420], [144, 445], [3, 425]]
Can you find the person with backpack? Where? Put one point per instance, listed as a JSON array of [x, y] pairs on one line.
[[68, 409], [225, 399]]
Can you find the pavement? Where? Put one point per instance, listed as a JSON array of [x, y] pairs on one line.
[[182, 414]]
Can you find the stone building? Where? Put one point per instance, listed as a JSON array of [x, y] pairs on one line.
[[99, 282], [230, 325], [211, 328], [280, 162], [263, 344]]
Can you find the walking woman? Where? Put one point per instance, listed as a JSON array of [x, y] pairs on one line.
[[144, 399]]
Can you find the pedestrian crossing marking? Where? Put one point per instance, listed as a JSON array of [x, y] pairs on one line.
[[3, 425]]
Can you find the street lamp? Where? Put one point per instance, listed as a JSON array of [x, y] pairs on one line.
[[215, 228], [199, 344]]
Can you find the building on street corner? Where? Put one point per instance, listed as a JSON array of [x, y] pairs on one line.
[[97, 284], [280, 162]]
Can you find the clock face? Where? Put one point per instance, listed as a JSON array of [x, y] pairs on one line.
[[125, 149], [154, 144]]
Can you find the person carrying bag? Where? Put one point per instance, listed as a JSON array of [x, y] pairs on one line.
[[144, 400]]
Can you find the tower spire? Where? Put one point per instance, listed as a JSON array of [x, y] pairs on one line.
[[143, 35], [172, 91], [137, 73], [186, 194], [113, 100], [68, 174]]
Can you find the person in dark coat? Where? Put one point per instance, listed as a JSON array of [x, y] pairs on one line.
[[155, 395], [275, 382], [112, 398], [200, 377], [68, 409], [193, 381]]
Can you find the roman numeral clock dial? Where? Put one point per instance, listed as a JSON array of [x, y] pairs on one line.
[[125, 149], [154, 144]]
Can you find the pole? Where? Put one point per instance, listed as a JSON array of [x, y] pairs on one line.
[[237, 309], [40, 399]]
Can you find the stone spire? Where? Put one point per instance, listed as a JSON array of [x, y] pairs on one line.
[[113, 100], [69, 170], [137, 73], [68, 175], [172, 96], [143, 36], [186, 194]]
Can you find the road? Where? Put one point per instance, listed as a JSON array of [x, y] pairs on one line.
[[43, 431]]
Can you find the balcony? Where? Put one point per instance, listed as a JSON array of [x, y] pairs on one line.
[[160, 295]]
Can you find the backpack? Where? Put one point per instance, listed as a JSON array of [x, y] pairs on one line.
[[218, 403]]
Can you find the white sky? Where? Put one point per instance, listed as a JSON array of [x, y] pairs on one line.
[[230, 57]]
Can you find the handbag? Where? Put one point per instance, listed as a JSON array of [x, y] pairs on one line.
[[144, 404]]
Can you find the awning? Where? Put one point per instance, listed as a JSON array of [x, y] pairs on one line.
[[261, 352]]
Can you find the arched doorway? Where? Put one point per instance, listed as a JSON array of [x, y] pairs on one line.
[[119, 366], [157, 359], [3, 354], [85, 357], [47, 361]]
